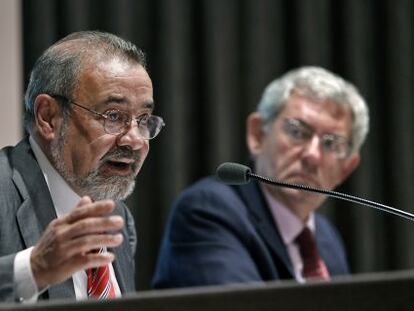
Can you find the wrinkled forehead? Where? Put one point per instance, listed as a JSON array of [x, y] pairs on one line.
[[310, 110], [114, 70], [322, 95]]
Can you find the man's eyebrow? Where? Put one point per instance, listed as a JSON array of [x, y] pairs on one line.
[[149, 105], [116, 99], [304, 124], [123, 100]]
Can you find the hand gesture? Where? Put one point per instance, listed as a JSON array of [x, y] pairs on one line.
[[68, 244]]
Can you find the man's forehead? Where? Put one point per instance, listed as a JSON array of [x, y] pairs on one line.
[[310, 104], [112, 72], [111, 65]]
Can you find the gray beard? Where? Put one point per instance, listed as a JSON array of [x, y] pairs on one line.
[[94, 185]]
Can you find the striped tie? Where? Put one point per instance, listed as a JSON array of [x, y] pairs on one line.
[[99, 283], [313, 265]]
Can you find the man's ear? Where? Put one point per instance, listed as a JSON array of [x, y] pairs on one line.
[[350, 165], [47, 115], [254, 133]]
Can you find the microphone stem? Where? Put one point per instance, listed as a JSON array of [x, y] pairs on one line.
[[338, 195]]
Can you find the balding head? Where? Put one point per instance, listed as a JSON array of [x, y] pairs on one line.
[[57, 70]]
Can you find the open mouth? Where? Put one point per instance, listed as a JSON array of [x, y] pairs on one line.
[[119, 167]]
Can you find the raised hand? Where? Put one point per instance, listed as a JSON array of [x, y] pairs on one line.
[[68, 243]]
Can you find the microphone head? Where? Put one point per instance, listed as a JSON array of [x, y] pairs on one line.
[[233, 173]]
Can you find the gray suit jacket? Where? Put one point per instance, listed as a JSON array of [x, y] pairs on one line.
[[26, 208]]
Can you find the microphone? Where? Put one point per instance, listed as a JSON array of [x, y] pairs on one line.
[[237, 174]]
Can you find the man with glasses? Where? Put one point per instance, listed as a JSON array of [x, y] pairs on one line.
[[308, 129], [64, 232]]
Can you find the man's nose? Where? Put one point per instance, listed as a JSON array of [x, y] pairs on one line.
[[132, 137], [312, 150]]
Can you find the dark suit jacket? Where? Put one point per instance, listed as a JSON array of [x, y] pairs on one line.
[[26, 208], [220, 234]]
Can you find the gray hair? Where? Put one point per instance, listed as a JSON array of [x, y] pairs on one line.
[[315, 82], [58, 69]]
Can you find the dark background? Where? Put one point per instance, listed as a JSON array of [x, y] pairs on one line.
[[210, 60]]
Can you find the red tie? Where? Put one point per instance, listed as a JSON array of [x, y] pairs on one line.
[[99, 283], [313, 265]]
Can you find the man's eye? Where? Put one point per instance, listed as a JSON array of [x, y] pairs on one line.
[[113, 116], [143, 119], [331, 143], [297, 132]]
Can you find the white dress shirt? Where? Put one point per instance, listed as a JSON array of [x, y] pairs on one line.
[[290, 226], [64, 200]]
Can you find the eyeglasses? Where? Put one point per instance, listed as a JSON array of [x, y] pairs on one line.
[[301, 133], [117, 121]]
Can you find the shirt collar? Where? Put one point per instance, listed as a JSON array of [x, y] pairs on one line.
[[63, 197], [288, 223]]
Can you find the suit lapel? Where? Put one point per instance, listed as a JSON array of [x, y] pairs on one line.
[[122, 263], [120, 267], [263, 221], [329, 248], [30, 180], [36, 211]]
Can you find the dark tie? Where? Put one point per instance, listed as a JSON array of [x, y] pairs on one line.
[[99, 283], [313, 265]]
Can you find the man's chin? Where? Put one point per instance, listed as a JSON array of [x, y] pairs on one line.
[[301, 197], [303, 182], [116, 191], [108, 186]]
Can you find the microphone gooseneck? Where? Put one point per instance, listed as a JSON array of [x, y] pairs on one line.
[[238, 174]]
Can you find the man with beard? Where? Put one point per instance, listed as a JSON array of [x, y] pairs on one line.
[[63, 230], [308, 129]]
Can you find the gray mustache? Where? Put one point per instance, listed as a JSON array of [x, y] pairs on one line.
[[122, 152]]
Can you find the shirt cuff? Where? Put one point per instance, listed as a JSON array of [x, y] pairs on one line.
[[25, 285]]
